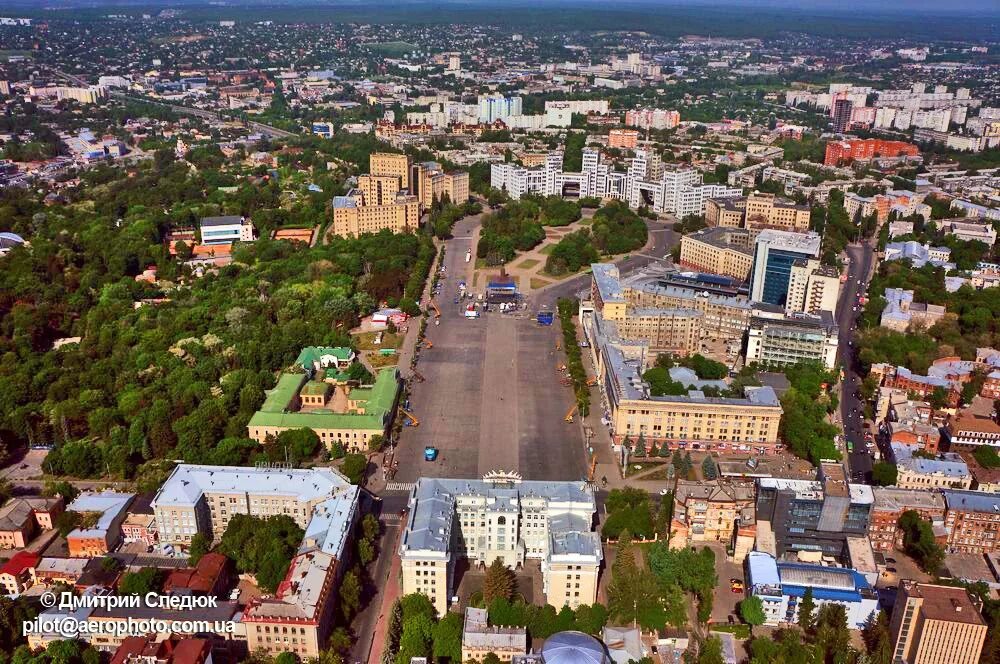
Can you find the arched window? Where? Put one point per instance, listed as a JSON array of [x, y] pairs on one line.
[[501, 520]]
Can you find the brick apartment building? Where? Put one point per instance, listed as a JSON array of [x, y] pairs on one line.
[[844, 152]]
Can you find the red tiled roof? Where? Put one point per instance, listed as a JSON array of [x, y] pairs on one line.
[[201, 578], [21, 561]]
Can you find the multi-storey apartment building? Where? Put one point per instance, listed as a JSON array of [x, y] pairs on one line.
[[890, 503], [652, 118], [812, 287], [505, 517], [623, 138], [839, 153], [972, 521], [935, 625], [646, 183], [719, 250]]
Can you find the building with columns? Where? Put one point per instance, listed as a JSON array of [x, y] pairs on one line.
[[501, 516]]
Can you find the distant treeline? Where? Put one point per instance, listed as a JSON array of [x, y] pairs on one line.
[[670, 20]]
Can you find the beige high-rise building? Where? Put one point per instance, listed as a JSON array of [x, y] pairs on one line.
[[675, 331], [936, 625], [380, 201], [769, 211], [391, 164], [431, 183], [379, 189], [350, 218], [719, 250], [726, 212], [812, 287], [501, 517]]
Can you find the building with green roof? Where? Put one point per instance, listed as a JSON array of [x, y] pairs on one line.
[[369, 410], [315, 358]]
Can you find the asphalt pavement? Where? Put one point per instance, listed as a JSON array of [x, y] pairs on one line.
[[663, 238], [851, 407]]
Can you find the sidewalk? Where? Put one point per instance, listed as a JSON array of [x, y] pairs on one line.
[[389, 587]]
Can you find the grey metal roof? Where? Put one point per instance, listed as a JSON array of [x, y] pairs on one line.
[[432, 510], [227, 220]]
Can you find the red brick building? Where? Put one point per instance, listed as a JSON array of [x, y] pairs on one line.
[[211, 576], [890, 503], [840, 153]]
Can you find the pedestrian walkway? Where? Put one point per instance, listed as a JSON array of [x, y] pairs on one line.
[[400, 486], [390, 589]]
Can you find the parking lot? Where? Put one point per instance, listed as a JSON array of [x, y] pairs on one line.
[[492, 398]]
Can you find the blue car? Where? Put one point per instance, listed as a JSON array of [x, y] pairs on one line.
[[430, 453]]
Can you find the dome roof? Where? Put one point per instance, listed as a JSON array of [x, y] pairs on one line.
[[573, 648]]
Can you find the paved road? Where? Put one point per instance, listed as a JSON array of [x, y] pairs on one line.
[[663, 239], [383, 590], [851, 408]]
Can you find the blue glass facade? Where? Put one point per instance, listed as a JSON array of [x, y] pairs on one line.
[[777, 272]]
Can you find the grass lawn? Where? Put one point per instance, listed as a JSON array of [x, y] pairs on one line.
[[636, 468], [589, 221], [366, 340], [378, 361], [738, 630], [547, 249], [537, 283], [527, 263]]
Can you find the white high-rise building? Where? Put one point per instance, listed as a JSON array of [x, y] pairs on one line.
[[644, 185], [495, 107]]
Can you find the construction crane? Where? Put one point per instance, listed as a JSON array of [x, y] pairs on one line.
[[437, 312], [414, 422], [558, 345], [569, 413], [591, 380], [593, 467]]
